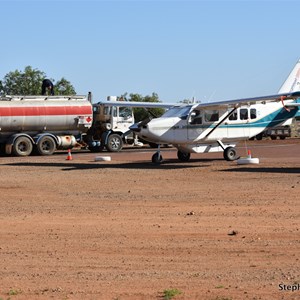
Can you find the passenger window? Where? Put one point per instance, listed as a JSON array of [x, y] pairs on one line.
[[244, 114], [253, 113], [211, 115], [233, 116]]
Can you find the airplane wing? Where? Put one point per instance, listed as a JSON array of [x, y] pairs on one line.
[[137, 104], [248, 101], [220, 104]]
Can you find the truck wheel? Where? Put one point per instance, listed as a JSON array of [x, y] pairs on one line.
[[22, 146], [46, 145], [114, 143], [273, 137], [183, 156], [229, 154]]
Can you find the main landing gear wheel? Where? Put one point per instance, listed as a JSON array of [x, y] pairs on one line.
[[183, 156], [157, 158], [230, 154]]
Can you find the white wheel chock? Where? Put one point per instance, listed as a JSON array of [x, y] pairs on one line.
[[102, 158], [247, 160]]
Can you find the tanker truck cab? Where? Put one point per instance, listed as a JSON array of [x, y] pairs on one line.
[[110, 127]]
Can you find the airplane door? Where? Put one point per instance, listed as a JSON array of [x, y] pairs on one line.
[[238, 124], [194, 125]]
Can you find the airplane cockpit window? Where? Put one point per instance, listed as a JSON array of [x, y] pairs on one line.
[[244, 114], [253, 113], [178, 111], [196, 117], [211, 115]]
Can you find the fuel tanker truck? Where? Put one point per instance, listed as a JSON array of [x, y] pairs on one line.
[[43, 124]]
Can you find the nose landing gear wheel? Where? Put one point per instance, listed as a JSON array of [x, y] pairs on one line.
[[156, 158]]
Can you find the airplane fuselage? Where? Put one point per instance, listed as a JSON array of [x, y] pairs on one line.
[[193, 129]]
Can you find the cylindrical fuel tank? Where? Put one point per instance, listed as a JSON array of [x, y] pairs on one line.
[[38, 114], [66, 142]]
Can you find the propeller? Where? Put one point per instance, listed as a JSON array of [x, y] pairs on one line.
[[136, 127]]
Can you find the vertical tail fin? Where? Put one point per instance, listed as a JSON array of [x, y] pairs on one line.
[[292, 83]]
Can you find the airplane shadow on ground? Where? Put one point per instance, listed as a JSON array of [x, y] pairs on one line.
[[71, 166], [265, 170]]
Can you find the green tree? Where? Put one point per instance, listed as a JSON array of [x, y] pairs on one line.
[[141, 113], [29, 82], [23, 83], [64, 87]]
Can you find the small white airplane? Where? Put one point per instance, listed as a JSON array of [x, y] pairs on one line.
[[218, 126]]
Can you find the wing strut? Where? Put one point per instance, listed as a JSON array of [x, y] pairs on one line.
[[227, 116]]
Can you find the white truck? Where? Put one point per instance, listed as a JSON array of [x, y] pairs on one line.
[[110, 128]]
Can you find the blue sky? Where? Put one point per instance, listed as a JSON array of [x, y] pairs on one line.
[[210, 50]]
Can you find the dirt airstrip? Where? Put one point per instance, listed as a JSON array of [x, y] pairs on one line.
[[128, 229]]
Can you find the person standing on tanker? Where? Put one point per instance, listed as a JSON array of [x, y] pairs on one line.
[[47, 86]]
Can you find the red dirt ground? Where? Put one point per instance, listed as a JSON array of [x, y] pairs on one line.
[[128, 229]]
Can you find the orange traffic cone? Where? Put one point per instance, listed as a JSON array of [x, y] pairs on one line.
[[69, 157], [249, 153]]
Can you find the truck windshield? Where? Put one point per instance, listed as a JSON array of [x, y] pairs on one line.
[[178, 111], [125, 112]]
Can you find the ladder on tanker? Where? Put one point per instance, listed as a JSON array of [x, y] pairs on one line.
[[41, 98]]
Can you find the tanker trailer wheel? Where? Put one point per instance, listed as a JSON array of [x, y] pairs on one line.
[[46, 145], [114, 143], [22, 146]]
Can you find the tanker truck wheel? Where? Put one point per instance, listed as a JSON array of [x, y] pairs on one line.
[[46, 145], [22, 146], [114, 143]]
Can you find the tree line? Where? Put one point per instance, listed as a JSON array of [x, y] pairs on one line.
[[29, 82]]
